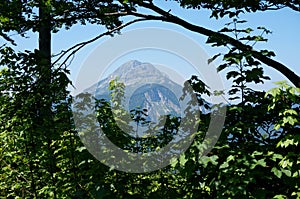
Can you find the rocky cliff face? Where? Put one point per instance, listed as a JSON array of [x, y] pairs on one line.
[[146, 87], [157, 99]]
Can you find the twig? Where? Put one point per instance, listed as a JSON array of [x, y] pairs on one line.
[[74, 49]]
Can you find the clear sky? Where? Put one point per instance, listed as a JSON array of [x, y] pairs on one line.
[[284, 41]]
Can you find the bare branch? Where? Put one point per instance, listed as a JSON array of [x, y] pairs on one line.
[[74, 49]]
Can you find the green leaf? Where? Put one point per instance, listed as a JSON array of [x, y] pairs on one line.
[[222, 67], [224, 165], [232, 74], [288, 173], [213, 58], [267, 53], [285, 163], [287, 142], [182, 160], [280, 197], [296, 174], [276, 156], [173, 162], [277, 172], [214, 159], [230, 158], [257, 153], [248, 30], [262, 162], [206, 159], [290, 112], [4, 19], [80, 149]]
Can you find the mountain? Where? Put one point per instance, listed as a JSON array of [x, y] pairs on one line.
[[146, 87]]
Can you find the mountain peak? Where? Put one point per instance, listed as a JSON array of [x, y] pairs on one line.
[[145, 87], [134, 70], [132, 64]]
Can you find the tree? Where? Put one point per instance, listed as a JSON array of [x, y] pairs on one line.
[[231, 8], [37, 114], [108, 13], [42, 156]]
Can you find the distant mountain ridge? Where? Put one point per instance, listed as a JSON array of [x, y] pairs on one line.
[[145, 87]]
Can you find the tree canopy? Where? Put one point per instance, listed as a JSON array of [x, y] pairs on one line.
[[42, 156], [109, 13]]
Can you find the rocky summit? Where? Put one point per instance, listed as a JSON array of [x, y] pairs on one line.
[[146, 87]]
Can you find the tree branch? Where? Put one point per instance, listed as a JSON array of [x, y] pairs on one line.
[[292, 6], [74, 49], [166, 16], [86, 16]]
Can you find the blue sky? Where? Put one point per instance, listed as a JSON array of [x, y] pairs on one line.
[[284, 41]]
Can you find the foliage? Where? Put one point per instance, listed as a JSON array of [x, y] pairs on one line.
[[22, 16], [117, 125], [234, 8], [41, 155], [40, 159]]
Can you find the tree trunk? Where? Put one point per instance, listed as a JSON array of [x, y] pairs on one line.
[[44, 108]]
